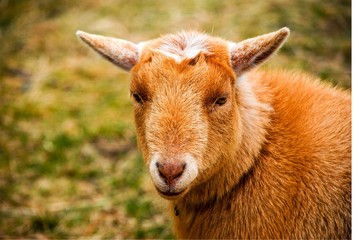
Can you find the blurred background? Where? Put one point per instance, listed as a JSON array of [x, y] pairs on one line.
[[69, 166]]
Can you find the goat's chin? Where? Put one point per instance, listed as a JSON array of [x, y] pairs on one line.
[[172, 195], [169, 195], [172, 191]]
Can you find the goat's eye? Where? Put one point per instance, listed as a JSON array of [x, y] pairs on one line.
[[137, 98], [220, 101]]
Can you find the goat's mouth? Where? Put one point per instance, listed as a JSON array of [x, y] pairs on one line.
[[170, 193]]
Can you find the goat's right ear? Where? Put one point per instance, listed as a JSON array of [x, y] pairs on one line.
[[122, 53]]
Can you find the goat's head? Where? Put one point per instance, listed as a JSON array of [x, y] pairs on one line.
[[184, 89]]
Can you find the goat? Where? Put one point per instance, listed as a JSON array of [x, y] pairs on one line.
[[238, 152]]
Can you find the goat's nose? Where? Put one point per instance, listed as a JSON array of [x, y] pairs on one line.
[[170, 172]]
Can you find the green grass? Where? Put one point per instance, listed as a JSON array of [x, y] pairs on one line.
[[69, 166]]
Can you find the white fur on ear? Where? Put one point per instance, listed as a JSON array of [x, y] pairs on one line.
[[254, 51], [122, 53]]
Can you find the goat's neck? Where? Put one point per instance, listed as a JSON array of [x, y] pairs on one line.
[[253, 122]]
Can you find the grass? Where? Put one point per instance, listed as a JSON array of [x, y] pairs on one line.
[[69, 166]]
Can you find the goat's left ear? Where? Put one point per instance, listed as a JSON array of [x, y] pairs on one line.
[[122, 53], [249, 53]]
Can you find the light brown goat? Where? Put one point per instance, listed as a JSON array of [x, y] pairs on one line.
[[239, 153]]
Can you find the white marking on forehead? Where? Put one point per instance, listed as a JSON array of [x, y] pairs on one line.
[[184, 45], [140, 47], [171, 55]]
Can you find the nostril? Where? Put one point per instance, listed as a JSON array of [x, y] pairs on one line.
[[170, 171]]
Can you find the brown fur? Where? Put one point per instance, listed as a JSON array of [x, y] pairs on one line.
[[300, 183], [274, 160]]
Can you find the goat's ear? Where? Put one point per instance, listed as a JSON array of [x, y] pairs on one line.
[[254, 51], [122, 53]]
